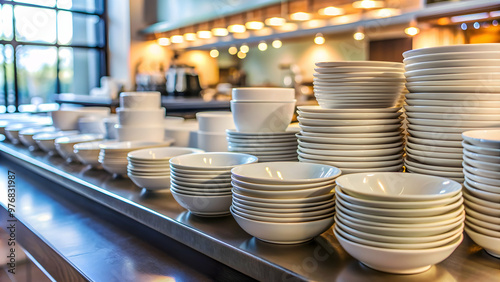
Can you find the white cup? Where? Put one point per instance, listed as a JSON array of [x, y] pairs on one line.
[[212, 142], [140, 133], [263, 94], [140, 100], [139, 117], [215, 121], [185, 134], [262, 116]]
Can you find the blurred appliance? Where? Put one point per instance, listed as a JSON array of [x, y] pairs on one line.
[[151, 82], [183, 81]]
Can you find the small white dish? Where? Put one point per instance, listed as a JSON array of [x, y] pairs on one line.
[[211, 161]]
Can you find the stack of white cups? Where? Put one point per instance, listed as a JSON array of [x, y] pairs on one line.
[[140, 117], [212, 130]]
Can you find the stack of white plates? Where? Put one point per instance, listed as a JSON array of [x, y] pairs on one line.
[[46, 140], [150, 168], [398, 222], [113, 155], [358, 84], [201, 183], [267, 146], [452, 89], [88, 153], [284, 202], [482, 188], [354, 140]]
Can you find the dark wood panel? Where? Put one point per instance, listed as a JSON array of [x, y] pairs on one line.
[[390, 49]]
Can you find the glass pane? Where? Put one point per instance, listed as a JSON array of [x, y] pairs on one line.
[[35, 24], [90, 6], [45, 3], [8, 52], [6, 31], [79, 70], [3, 85], [36, 74], [79, 29]]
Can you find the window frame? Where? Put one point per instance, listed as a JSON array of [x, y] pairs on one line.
[[103, 49]]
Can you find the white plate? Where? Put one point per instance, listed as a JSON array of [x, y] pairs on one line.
[[351, 141], [453, 70], [448, 116], [452, 64], [356, 97], [454, 98], [455, 123], [394, 168], [356, 89], [482, 157], [388, 75], [433, 167], [481, 172], [338, 105], [471, 55], [262, 151], [484, 47], [437, 149], [481, 164], [454, 103], [352, 116], [351, 135], [451, 156], [290, 131], [452, 110], [353, 153], [318, 109], [359, 63], [481, 150], [441, 129], [484, 138], [352, 129], [367, 166], [355, 69], [346, 122], [331, 158], [343, 83], [437, 161], [464, 89], [434, 142], [267, 145], [436, 135], [370, 147], [455, 83], [457, 76], [326, 78]]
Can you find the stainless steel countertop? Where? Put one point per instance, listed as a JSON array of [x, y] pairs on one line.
[[321, 259]]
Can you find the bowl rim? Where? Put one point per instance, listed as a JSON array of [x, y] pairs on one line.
[[174, 161]]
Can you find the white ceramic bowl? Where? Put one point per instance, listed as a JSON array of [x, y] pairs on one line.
[[170, 121], [271, 218], [293, 201], [483, 138], [263, 94], [151, 182], [160, 154], [26, 135], [211, 161], [204, 205], [482, 194], [212, 141], [490, 244], [109, 124], [481, 150], [88, 152], [205, 174], [262, 116], [141, 117], [398, 186], [215, 122], [482, 185], [91, 125], [67, 119], [283, 233], [285, 173], [140, 133], [281, 210], [46, 140], [280, 187], [482, 202], [64, 145], [280, 194], [185, 134], [140, 100]]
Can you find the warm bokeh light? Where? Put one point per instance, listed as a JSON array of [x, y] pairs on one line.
[[244, 48], [176, 39], [359, 35], [368, 4], [412, 30], [236, 28], [220, 31], [204, 34], [262, 46], [275, 21], [163, 41], [241, 55], [233, 50], [300, 16], [443, 21], [277, 44], [288, 27], [190, 36], [214, 53], [319, 39], [314, 23], [254, 25], [331, 11]]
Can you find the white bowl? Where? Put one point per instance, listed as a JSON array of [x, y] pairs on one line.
[[270, 218], [211, 161], [212, 142], [128, 146], [140, 133], [263, 94], [480, 164], [281, 210], [398, 261], [217, 180], [481, 150], [262, 116], [292, 201], [215, 122], [88, 152], [482, 202], [482, 157], [280, 194], [347, 115], [140, 100], [435, 142], [483, 138], [345, 122], [283, 233], [219, 183], [480, 193], [67, 119], [482, 209], [46, 140], [437, 149], [298, 216], [151, 182], [208, 174], [481, 185], [285, 173], [398, 186], [490, 244], [482, 179], [141, 117], [413, 169], [204, 205], [280, 187], [353, 153], [115, 168], [327, 138], [352, 129], [482, 223], [161, 154], [484, 217], [185, 134], [26, 135], [64, 145], [171, 121]]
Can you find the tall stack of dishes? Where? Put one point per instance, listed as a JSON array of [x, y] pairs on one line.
[[356, 127], [452, 89], [261, 117]]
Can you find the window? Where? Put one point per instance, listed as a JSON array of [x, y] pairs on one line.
[[48, 47]]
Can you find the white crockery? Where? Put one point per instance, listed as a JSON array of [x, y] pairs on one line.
[[263, 94], [204, 205], [212, 141], [161, 154], [490, 244], [140, 100], [483, 138], [141, 117], [151, 182], [140, 133], [46, 140], [64, 145], [211, 161], [262, 116], [215, 122], [67, 119]]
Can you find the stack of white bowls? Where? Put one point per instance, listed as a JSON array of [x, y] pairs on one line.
[[67, 118], [113, 154], [212, 130], [398, 222], [262, 117], [201, 183], [46, 140], [88, 153], [354, 140], [26, 135], [284, 202], [150, 168], [140, 117], [185, 134], [358, 84], [65, 145], [452, 89], [482, 188]]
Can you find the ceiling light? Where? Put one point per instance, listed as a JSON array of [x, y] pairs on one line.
[[360, 34], [300, 16], [476, 25], [470, 17], [233, 50], [275, 21], [277, 43], [219, 31], [412, 30], [204, 34], [214, 53], [163, 41], [241, 55], [176, 39], [190, 36], [244, 48], [494, 22], [463, 26], [331, 11], [288, 27], [368, 4], [262, 46], [236, 28], [443, 21], [254, 25], [319, 39]]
